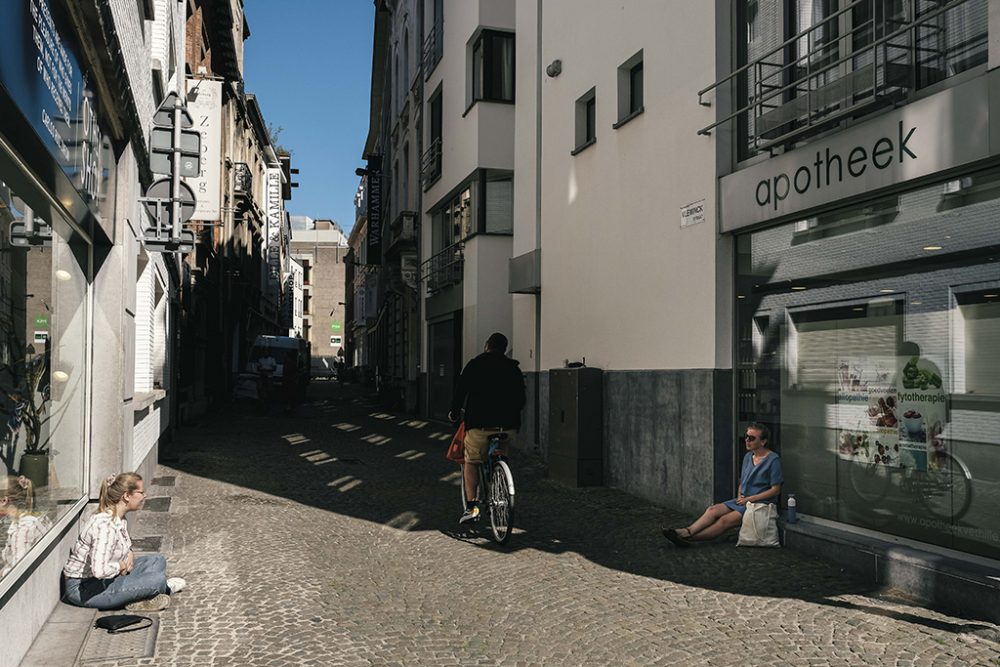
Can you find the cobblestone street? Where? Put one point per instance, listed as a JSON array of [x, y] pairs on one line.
[[331, 538]]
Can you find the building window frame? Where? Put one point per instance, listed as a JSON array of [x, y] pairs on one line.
[[585, 121], [630, 90], [492, 67]]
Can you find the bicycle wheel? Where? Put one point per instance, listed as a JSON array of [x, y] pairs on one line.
[[947, 492], [501, 502]]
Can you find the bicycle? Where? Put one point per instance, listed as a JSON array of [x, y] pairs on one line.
[[497, 482], [944, 488]]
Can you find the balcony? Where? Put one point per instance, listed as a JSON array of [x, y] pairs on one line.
[[430, 164], [443, 269], [433, 50], [829, 73], [242, 180], [402, 232]]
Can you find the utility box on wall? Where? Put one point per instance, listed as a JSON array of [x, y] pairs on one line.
[[576, 426]]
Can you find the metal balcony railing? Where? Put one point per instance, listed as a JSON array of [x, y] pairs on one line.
[[242, 179], [433, 50], [834, 72], [443, 269], [430, 163]]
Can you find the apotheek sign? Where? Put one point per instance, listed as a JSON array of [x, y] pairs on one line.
[[945, 130]]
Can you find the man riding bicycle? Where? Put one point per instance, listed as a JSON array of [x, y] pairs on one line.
[[491, 390]]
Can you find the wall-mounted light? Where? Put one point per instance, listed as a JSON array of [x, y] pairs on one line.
[[62, 275], [60, 376], [554, 69]]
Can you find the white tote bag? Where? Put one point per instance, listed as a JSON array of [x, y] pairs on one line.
[[760, 526]]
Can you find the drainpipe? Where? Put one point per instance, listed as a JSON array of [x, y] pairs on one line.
[[538, 224]]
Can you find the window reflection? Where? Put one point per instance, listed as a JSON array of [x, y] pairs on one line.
[[43, 292]]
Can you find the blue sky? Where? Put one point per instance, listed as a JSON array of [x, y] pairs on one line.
[[309, 63]]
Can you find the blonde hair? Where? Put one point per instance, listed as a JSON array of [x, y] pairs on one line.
[[114, 488], [20, 493]]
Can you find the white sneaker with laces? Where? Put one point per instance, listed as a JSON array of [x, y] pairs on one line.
[[176, 585]]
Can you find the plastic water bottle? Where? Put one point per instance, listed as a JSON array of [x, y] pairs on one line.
[[792, 512]]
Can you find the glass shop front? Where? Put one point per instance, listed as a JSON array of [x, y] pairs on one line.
[[868, 339]]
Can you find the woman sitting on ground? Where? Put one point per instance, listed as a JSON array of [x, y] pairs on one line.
[[17, 501], [760, 482], [102, 570]]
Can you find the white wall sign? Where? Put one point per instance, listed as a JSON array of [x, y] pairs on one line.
[[205, 106], [693, 213], [945, 130]]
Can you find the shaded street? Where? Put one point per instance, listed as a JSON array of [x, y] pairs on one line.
[[331, 538]]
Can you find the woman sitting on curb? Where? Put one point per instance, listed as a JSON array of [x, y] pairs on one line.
[[760, 481], [102, 570], [17, 502]]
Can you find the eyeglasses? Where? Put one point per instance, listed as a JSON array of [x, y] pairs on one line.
[[749, 438]]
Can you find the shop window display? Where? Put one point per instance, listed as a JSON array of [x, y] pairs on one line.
[[869, 339], [43, 295]]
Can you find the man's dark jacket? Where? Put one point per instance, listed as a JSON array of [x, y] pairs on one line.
[[491, 388]]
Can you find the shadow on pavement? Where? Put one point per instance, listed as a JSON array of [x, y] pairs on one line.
[[341, 453]]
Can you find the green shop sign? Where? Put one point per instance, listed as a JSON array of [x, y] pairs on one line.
[[42, 322], [334, 326]]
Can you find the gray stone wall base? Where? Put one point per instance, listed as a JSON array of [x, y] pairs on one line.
[[963, 587], [667, 433]]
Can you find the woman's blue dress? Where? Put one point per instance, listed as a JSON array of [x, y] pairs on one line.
[[757, 478]]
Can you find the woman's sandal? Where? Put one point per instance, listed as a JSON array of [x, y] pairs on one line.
[[675, 537]]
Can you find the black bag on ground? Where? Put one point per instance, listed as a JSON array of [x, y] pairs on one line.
[[116, 623]]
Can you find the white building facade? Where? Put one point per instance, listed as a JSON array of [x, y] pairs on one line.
[[467, 172], [608, 270]]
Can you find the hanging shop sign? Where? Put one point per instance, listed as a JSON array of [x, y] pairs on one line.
[[275, 214], [40, 71], [940, 132], [374, 239], [204, 101]]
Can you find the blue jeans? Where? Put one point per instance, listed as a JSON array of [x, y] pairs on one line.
[[147, 578]]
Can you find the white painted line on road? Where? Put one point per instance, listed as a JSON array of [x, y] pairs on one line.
[[416, 456], [312, 453], [350, 485], [408, 452], [318, 457], [452, 477]]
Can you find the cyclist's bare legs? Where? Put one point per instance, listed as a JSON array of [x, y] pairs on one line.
[[471, 479]]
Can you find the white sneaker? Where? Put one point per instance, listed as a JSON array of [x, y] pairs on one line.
[[176, 585]]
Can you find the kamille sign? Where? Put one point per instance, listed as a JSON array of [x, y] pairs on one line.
[[940, 132]]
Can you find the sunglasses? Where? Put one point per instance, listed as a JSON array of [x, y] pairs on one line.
[[749, 438]]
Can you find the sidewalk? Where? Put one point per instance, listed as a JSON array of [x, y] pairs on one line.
[[331, 538]]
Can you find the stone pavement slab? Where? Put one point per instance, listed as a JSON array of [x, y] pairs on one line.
[[331, 538]]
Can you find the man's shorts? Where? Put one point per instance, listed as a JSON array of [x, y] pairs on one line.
[[477, 442]]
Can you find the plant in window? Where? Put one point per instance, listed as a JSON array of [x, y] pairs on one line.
[[27, 400]]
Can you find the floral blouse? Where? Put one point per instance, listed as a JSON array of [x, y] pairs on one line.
[[99, 550]]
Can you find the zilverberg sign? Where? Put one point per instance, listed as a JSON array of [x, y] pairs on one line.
[[939, 132]]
